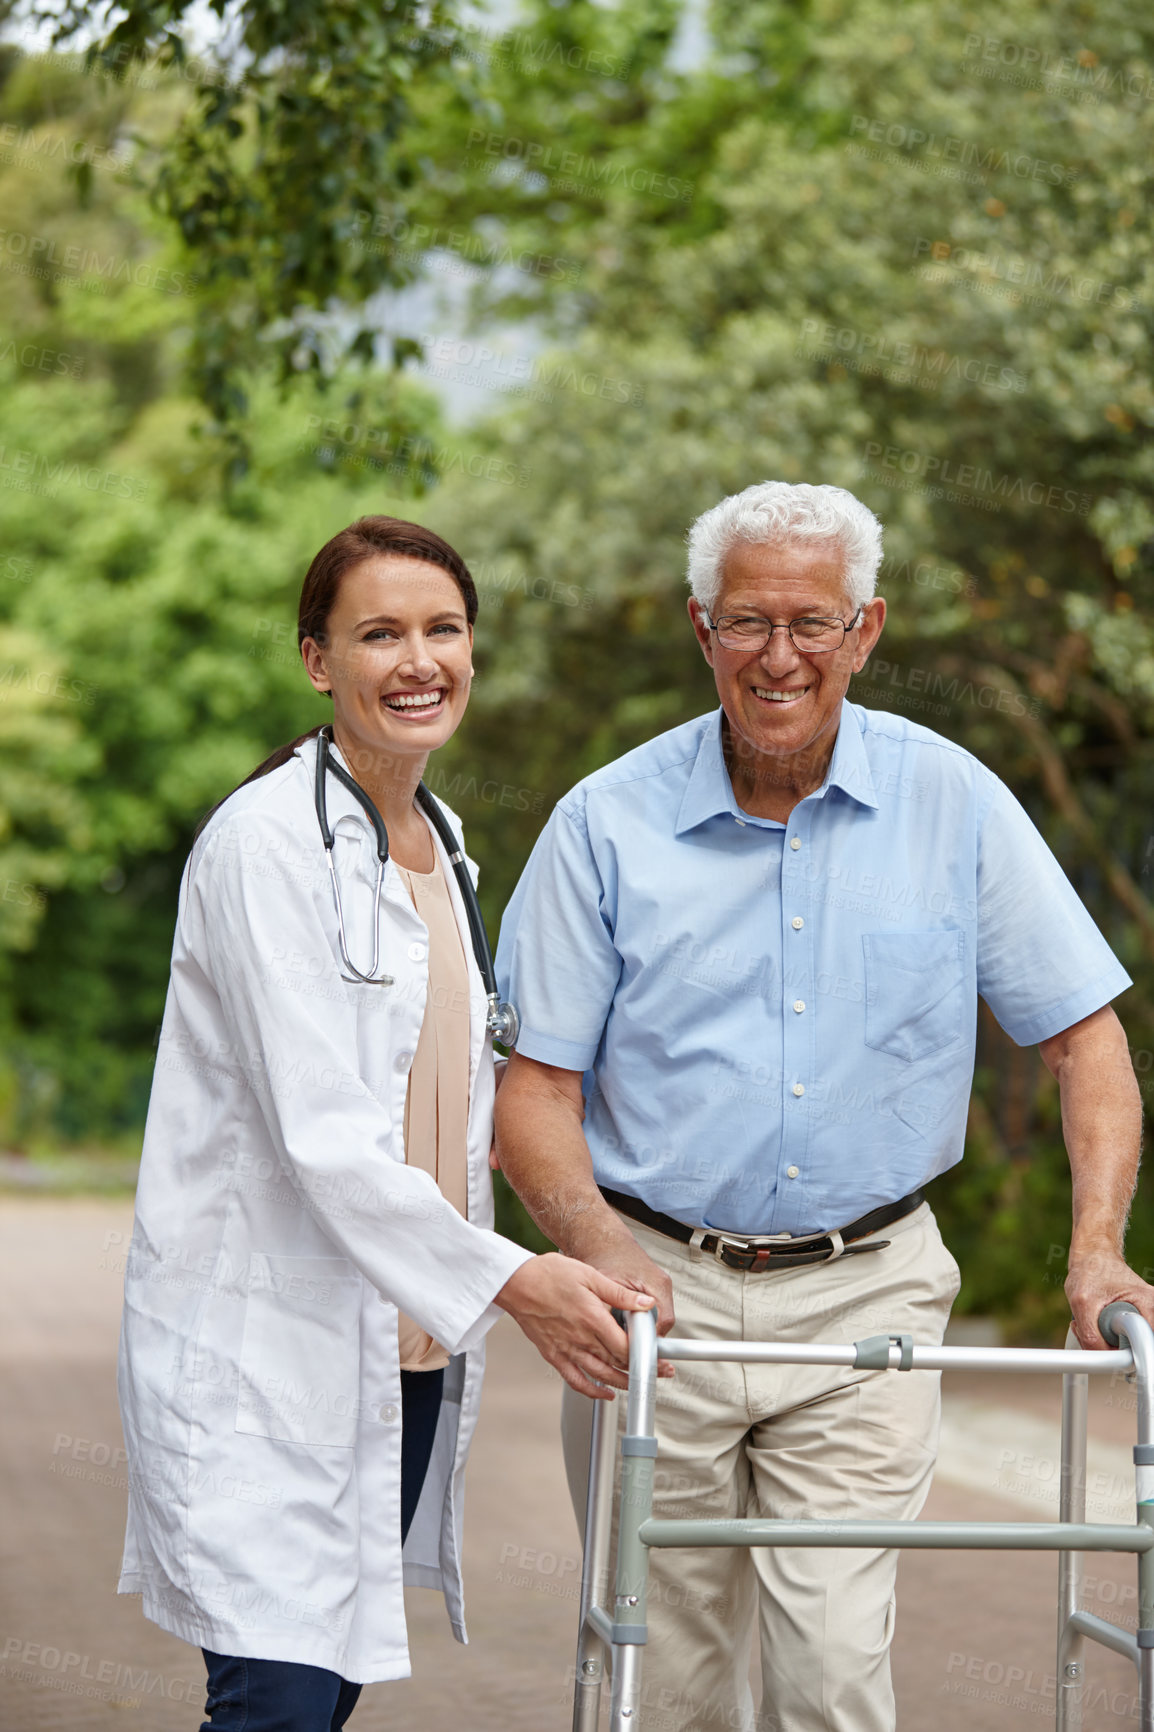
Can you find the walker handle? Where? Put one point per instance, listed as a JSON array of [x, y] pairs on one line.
[[1106, 1318]]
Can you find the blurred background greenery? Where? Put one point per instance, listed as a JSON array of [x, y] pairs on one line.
[[253, 288]]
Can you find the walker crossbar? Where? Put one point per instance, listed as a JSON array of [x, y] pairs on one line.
[[923, 1358], [623, 1634], [915, 1536]]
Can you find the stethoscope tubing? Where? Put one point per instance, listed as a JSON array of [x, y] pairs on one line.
[[502, 1020]]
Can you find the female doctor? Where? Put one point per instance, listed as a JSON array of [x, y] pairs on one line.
[[313, 1269]]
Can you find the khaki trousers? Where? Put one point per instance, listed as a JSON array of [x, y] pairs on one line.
[[786, 1441]]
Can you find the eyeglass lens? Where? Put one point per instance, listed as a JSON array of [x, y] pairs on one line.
[[750, 632]]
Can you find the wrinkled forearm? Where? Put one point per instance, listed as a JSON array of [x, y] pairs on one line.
[[1102, 1127], [543, 1153]]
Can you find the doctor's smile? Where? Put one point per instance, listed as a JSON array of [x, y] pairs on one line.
[[420, 704]]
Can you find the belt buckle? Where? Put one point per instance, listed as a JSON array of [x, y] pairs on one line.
[[750, 1246], [761, 1248]]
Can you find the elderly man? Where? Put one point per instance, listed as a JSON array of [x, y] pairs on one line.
[[747, 958]]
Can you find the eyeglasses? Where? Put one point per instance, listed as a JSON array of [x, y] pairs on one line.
[[812, 634]]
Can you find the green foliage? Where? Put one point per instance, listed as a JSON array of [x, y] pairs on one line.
[[147, 637], [284, 151]]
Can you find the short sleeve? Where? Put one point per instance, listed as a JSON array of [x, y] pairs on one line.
[[556, 960], [1042, 963]]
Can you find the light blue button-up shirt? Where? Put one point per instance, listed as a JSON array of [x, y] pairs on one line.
[[779, 1020]]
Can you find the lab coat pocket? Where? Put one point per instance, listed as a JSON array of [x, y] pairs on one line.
[[915, 991], [300, 1356]]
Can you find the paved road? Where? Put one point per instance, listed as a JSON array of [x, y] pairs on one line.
[[974, 1648]]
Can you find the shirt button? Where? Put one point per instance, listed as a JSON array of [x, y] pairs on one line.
[[795, 843], [402, 1062], [799, 1088], [792, 1172], [388, 1415], [799, 1005], [416, 953], [797, 923]]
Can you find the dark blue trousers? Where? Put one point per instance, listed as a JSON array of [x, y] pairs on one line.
[[280, 1695]]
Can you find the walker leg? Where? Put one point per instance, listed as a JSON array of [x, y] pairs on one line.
[[591, 1650], [1142, 1346], [1145, 1617], [638, 1450], [625, 1712], [1072, 1508]]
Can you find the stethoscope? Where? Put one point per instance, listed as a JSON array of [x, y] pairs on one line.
[[501, 1019]]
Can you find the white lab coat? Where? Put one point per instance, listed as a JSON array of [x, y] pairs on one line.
[[277, 1231]]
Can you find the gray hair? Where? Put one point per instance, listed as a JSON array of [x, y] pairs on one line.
[[785, 514]]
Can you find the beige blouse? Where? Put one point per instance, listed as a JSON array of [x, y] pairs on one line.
[[437, 1102]]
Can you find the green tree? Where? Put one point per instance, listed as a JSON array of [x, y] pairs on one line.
[[273, 162], [147, 650]]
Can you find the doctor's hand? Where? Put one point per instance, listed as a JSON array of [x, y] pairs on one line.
[[563, 1306]]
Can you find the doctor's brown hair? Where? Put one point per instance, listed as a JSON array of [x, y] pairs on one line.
[[365, 539]]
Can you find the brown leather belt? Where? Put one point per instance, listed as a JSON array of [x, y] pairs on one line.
[[757, 1254]]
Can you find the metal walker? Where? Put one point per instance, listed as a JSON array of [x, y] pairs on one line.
[[622, 1631]]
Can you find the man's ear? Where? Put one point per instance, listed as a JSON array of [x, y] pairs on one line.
[[701, 631], [873, 619]]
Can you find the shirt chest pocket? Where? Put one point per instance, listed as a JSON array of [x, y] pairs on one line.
[[300, 1356], [915, 991]]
